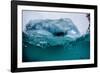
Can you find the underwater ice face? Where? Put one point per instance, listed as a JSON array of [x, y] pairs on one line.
[[51, 32]]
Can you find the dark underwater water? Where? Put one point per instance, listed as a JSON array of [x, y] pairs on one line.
[[60, 49]]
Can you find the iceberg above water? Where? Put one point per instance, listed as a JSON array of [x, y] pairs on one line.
[[57, 27]]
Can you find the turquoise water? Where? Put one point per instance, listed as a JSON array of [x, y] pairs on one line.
[[55, 48], [54, 40]]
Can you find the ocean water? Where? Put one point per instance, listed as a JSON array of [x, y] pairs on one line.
[[53, 44]]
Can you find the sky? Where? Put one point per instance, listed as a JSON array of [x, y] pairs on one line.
[[79, 19]]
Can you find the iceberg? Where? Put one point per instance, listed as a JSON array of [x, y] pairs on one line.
[[61, 26], [51, 32]]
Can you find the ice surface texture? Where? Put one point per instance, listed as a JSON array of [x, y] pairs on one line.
[[59, 37]]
